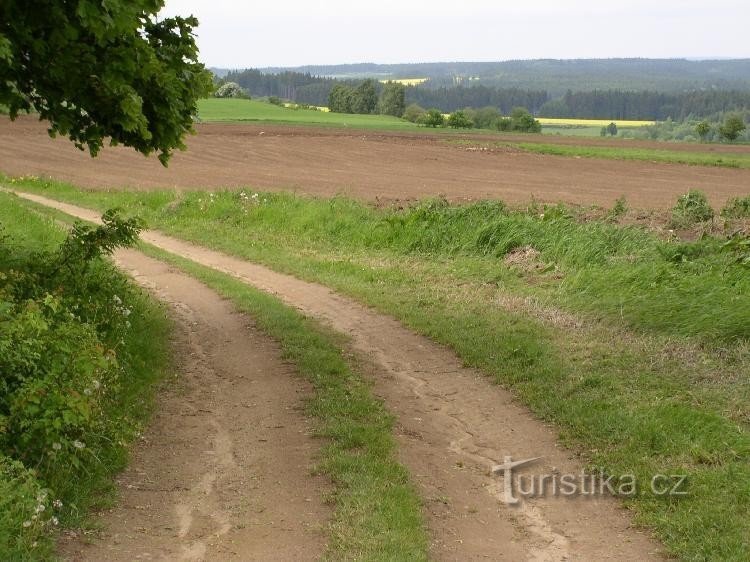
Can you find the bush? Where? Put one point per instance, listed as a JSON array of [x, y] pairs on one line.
[[68, 360], [737, 208], [230, 90], [691, 208], [414, 113], [275, 100], [434, 118], [459, 120]]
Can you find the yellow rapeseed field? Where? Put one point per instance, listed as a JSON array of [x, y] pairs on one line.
[[406, 81], [593, 122]]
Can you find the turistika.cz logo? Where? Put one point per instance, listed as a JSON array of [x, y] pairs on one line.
[[555, 484]]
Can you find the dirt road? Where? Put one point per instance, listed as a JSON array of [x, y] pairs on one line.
[[366, 165], [223, 472], [453, 426]]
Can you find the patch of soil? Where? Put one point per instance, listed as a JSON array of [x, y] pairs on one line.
[[369, 165]]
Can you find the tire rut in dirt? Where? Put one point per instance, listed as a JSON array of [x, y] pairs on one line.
[[223, 471]]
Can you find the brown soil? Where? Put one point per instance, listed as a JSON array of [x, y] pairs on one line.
[[453, 427], [223, 472], [371, 165]]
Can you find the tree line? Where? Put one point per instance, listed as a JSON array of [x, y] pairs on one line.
[[368, 97], [615, 104], [625, 105]]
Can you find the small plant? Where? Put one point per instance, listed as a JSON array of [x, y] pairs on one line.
[[619, 209], [737, 208], [691, 208], [275, 100]]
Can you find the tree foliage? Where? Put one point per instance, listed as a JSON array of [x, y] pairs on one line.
[[414, 113], [459, 120], [703, 129], [230, 90], [434, 118], [732, 127], [98, 70], [393, 99]]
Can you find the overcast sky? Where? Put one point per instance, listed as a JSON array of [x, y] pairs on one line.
[[239, 34]]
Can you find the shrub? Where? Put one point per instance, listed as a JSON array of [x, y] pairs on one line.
[[434, 118], [230, 90], [414, 113], [459, 120], [691, 208], [275, 100], [737, 208], [65, 320]]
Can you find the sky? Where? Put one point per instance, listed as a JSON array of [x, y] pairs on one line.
[[242, 34]]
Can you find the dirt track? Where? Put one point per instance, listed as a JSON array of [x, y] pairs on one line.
[[453, 425], [224, 470], [369, 165]]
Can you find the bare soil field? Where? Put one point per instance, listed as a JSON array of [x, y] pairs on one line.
[[373, 166]]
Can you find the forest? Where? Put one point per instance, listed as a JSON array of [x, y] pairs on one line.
[[612, 103]]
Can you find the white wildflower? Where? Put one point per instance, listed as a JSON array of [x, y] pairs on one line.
[[57, 504], [54, 520], [78, 444], [56, 446], [39, 508], [26, 524]]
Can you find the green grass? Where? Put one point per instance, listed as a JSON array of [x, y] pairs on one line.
[[650, 375], [238, 110], [646, 155], [622, 152], [377, 510], [147, 347]]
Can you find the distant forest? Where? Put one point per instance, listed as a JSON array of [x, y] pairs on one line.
[[614, 89]]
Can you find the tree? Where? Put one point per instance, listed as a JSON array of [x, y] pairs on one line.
[[98, 70], [365, 99], [703, 129], [733, 125], [340, 100], [393, 99], [414, 113], [459, 120], [485, 118], [434, 118], [521, 120], [612, 129], [230, 90]]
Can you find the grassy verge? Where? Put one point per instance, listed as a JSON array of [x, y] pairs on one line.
[[69, 408], [377, 511], [720, 160], [635, 347]]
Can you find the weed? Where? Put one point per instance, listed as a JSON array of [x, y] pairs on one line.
[[691, 208]]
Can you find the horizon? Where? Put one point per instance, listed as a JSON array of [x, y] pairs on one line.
[[405, 63]]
